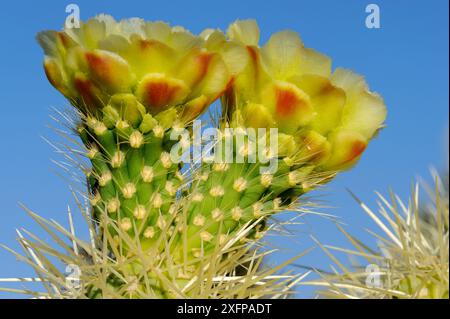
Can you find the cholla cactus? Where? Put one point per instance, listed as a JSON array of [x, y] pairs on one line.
[[133, 83], [324, 122], [413, 256], [183, 232]]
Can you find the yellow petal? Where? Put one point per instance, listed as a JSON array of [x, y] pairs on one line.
[[158, 92], [328, 101], [129, 27], [291, 106], [257, 116], [194, 66], [215, 80], [236, 57], [364, 112], [194, 108], [314, 147], [347, 147], [149, 56], [182, 40], [109, 70], [244, 31], [128, 107], [55, 75], [91, 97], [157, 30], [282, 54], [313, 62], [115, 43], [214, 39], [47, 41], [249, 81], [286, 145], [93, 31], [348, 80], [204, 72]]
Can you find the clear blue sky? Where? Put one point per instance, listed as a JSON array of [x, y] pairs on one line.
[[406, 61]]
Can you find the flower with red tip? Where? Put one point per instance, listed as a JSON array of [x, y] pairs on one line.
[[283, 84], [163, 67]]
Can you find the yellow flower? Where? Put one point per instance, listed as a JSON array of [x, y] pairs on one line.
[[332, 115], [162, 66]]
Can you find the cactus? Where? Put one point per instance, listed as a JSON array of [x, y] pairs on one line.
[[161, 227], [412, 258], [324, 122]]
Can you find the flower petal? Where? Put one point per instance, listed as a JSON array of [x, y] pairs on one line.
[[290, 105], [244, 31], [109, 70], [257, 116], [149, 56], [315, 147], [328, 101], [158, 30], [364, 111], [55, 76], [194, 108], [313, 62], [282, 54], [157, 92], [91, 97], [347, 147], [204, 72]]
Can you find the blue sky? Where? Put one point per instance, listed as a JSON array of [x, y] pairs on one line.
[[406, 61]]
